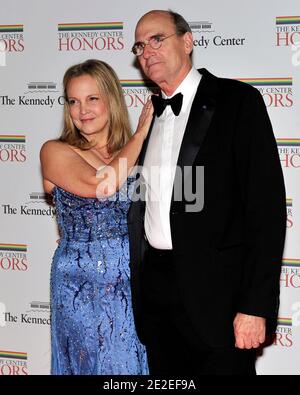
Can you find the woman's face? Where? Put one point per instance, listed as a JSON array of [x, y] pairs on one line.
[[88, 109]]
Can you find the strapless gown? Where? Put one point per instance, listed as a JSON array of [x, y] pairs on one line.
[[92, 325]]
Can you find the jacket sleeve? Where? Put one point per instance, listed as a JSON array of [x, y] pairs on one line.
[[263, 196]]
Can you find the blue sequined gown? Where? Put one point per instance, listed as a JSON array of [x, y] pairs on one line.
[[92, 326]]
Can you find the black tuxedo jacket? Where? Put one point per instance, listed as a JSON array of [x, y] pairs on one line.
[[228, 255]]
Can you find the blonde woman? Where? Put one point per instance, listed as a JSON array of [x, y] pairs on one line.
[[92, 326]]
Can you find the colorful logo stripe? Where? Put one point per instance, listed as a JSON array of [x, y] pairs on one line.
[[291, 262], [11, 28], [288, 142], [287, 20], [90, 26], [13, 354], [137, 83], [12, 138], [288, 81], [289, 202], [282, 321], [13, 247]]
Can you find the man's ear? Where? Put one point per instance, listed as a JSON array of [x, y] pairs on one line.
[[188, 42]]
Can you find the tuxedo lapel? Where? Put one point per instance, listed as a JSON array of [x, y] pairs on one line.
[[145, 145], [200, 117], [198, 124], [139, 193]]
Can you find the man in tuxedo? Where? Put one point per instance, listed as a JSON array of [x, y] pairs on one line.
[[205, 277]]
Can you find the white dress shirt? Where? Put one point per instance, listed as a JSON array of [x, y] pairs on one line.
[[161, 160]]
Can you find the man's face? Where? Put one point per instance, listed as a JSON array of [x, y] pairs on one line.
[[166, 65]]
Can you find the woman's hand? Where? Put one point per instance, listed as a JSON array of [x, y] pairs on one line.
[[145, 119]]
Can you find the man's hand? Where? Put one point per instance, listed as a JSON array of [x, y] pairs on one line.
[[249, 331]]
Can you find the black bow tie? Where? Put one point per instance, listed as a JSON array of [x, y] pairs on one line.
[[160, 104]]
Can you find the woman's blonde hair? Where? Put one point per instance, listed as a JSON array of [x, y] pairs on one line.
[[111, 91]]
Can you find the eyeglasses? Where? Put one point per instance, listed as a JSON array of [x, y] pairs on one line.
[[155, 42]]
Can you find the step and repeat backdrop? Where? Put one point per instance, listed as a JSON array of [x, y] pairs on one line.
[[257, 42]]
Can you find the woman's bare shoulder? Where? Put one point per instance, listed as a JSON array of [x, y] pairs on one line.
[[55, 147], [54, 144]]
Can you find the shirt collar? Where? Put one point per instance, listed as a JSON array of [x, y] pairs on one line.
[[187, 87]]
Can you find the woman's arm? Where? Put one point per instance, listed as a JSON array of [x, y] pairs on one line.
[[63, 167]]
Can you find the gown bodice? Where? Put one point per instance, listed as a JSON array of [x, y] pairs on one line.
[[88, 219]]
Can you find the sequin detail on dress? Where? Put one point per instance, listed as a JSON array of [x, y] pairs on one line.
[[92, 326]]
